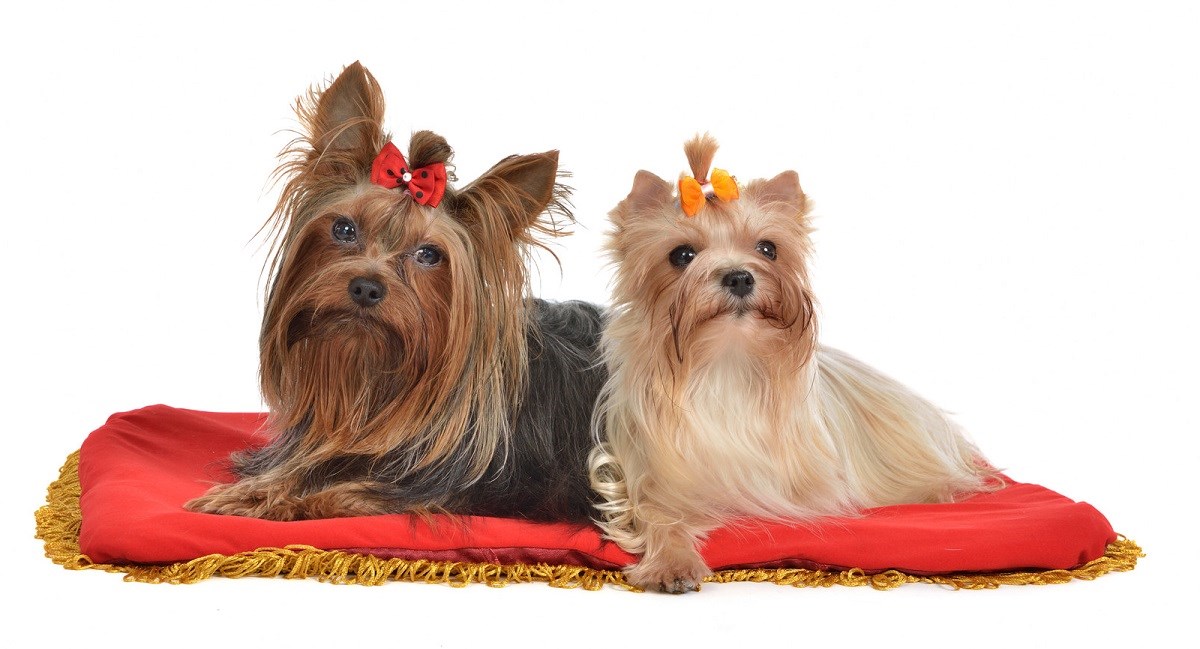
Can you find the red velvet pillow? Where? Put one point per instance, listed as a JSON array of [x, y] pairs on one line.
[[137, 470]]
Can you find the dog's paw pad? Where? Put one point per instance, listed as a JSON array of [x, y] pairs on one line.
[[676, 579], [680, 585]]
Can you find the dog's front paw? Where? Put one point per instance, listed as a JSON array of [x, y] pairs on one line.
[[677, 575], [240, 499]]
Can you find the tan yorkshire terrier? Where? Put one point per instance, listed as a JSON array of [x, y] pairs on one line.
[[720, 403], [405, 367]]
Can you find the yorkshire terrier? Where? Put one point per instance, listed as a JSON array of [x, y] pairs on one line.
[[720, 403], [404, 365]]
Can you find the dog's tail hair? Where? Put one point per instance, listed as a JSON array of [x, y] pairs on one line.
[[700, 151], [899, 447], [616, 512]]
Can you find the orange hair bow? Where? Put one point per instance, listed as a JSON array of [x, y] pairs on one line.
[[693, 193]]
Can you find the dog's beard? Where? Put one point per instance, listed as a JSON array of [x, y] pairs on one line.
[[342, 367], [783, 315]]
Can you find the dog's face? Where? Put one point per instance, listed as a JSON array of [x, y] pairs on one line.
[[370, 281], [732, 277], [386, 317]]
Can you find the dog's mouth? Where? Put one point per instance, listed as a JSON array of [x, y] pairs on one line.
[[741, 309], [792, 311], [760, 312], [310, 324]]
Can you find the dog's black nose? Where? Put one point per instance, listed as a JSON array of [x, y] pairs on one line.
[[738, 282], [366, 292]]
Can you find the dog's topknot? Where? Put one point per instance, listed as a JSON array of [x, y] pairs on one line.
[[700, 151], [426, 148]]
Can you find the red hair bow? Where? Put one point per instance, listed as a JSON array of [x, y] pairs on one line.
[[426, 185]]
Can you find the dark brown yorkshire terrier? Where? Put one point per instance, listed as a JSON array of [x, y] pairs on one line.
[[405, 367]]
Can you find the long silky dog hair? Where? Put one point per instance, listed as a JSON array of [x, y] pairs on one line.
[[404, 364], [721, 404]]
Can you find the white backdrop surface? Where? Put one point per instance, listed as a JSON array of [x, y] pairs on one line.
[[1008, 222]]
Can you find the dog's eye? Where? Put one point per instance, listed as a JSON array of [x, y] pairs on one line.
[[682, 256], [344, 230], [427, 256], [766, 249]]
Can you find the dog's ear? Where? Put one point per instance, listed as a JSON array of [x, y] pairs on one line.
[[346, 126], [513, 194], [780, 193], [649, 193]]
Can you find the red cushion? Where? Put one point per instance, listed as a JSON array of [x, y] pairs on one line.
[[138, 469]]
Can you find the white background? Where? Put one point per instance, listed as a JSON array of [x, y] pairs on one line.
[[1008, 220]]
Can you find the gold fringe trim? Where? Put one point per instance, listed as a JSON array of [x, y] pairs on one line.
[[59, 519]]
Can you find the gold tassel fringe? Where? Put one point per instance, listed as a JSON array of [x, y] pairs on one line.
[[59, 519]]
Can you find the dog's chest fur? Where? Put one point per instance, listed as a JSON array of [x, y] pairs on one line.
[[733, 432]]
